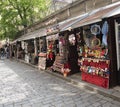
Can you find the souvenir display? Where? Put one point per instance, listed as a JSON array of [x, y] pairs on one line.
[[61, 46], [94, 62], [50, 51], [80, 44], [42, 53], [95, 29], [104, 32], [66, 69], [95, 71], [95, 52], [59, 60], [95, 67], [61, 66], [95, 43]]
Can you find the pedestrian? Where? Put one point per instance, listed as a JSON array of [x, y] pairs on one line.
[[2, 53], [7, 52]]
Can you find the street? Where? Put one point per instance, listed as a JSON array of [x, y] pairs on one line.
[[24, 86]]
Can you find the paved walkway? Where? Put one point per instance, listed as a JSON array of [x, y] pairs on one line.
[[24, 86]]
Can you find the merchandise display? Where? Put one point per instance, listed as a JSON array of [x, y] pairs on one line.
[[95, 29], [104, 32], [60, 65], [97, 67], [93, 57]]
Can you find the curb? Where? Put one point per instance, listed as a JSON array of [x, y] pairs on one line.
[[81, 84]]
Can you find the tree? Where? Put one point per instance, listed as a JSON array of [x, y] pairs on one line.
[[18, 14]]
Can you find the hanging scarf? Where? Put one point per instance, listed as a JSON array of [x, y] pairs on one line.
[[104, 32]]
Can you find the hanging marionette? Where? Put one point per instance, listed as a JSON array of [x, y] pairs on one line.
[[50, 53]]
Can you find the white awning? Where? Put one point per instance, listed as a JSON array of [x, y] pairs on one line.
[[93, 17], [68, 23], [112, 13], [33, 35], [52, 37]]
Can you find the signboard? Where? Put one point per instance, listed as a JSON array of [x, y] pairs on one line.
[[42, 63]]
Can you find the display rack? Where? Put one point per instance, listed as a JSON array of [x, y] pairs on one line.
[[95, 70], [60, 66]]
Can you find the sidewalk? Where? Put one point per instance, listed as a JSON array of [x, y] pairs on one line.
[[75, 79]]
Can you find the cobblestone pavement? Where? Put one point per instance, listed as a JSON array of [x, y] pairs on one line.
[[24, 86]]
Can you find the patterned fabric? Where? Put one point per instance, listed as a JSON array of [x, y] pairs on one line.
[[104, 32]]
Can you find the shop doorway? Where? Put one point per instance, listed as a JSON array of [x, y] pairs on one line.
[[73, 54], [117, 26]]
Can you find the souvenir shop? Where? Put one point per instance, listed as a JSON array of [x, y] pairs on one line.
[[93, 54], [29, 50], [42, 53], [48, 47], [98, 52], [17, 50], [66, 59], [89, 49], [52, 49], [91, 46]]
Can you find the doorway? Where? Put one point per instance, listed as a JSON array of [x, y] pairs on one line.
[[117, 27]]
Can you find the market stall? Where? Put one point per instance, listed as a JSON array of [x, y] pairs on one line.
[[66, 60], [52, 49], [95, 61], [61, 57], [29, 50], [42, 53]]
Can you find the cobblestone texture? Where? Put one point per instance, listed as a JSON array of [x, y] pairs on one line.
[[24, 86]]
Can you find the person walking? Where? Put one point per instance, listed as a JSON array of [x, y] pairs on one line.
[[7, 52], [2, 53]]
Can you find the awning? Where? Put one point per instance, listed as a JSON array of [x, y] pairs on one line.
[[94, 16], [52, 37], [33, 35], [82, 20], [114, 12], [67, 23]]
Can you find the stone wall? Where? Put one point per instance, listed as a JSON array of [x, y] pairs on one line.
[[74, 9]]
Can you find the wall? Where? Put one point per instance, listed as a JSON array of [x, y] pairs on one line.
[[74, 9]]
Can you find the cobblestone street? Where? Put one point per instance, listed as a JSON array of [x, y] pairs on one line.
[[24, 86]]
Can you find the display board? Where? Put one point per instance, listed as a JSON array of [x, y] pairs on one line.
[[42, 61]]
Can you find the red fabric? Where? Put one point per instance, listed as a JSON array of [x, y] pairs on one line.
[[50, 46], [66, 65], [50, 55], [100, 64], [97, 80]]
